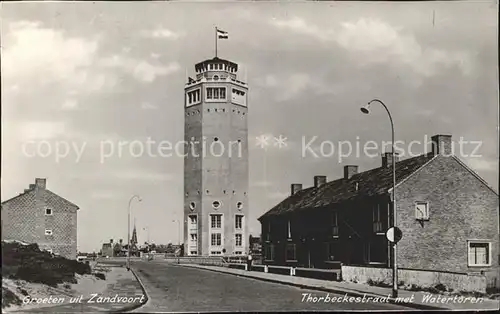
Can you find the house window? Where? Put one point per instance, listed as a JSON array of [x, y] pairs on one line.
[[48, 211], [269, 252], [216, 221], [377, 222], [289, 230], [238, 253], [239, 239], [479, 253], [268, 233], [332, 251], [422, 210], [291, 252], [216, 239], [48, 231], [50, 251], [335, 224], [193, 253], [215, 252], [238, 222]]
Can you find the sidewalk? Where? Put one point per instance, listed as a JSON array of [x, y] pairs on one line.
[[414, 299], [126, 286]]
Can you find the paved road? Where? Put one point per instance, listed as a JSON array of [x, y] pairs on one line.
[[181, 289]]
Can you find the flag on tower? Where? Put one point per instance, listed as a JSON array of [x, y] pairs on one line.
[[222, 34]]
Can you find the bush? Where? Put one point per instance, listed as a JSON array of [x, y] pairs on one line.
[[9, 298], [440, 287], [28, 263], [100, 276]]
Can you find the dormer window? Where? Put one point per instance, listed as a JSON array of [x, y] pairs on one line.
[[48, 211]]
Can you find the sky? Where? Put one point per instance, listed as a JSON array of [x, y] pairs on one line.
[[77, 75]]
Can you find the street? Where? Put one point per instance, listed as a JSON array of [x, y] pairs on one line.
[[175, 288]]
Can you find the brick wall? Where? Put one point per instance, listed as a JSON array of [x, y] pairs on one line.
[[24, 219], [461, 209]]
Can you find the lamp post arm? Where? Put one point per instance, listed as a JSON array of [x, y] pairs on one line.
[[394, 211]]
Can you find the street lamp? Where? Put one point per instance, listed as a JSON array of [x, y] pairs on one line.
[[366, 110], [128, 226], [179, 240]]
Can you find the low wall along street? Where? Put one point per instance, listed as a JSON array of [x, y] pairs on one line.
[[419, 278]]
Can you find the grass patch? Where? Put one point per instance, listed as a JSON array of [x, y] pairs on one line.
[[27, 262], [378, 283]]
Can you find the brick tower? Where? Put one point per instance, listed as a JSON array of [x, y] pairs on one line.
[[216, 161]]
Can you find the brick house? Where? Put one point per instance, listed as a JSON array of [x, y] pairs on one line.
[[448, 215], [40, 216]]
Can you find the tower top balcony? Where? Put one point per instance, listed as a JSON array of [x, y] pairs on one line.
[[216, 69], [216, 64]]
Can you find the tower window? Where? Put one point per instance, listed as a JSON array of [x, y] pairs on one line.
[[238, 222], [216, 204], [216, 221], [216, 93], [207, 191], [224, 191], [216, 139], [192, 205], [239, 205], [239, 239], [216, 239]]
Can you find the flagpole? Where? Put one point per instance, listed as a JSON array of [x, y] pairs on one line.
[[216, 41]]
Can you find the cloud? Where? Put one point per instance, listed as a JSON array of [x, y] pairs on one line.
[[483, 164], [38, 130], [70, 104], [148, 106], [289, 86], [142, 175], [161, 32], [278, 195], [56, 56], [140, 69], [101, 195], [376, 41]]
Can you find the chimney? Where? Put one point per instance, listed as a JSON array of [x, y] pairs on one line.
[[319, 181], [349, 171], [295, 187], [111, 241], [121, 241], [26, 190], [387, 159], [441, 145], [32, 186], [40, 183]]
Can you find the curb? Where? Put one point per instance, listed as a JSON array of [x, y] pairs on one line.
[[332, 290], [132, 307]]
